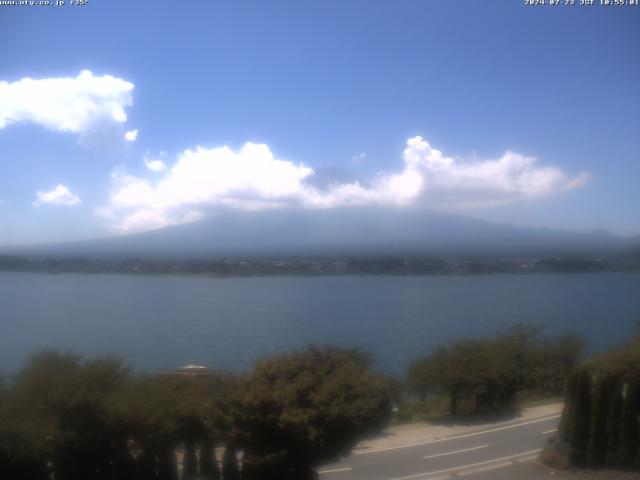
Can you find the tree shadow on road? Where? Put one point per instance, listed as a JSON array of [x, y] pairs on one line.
[[481, 418]]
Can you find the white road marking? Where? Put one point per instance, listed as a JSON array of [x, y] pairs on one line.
[[456, 451], [485, 469], [527, 459], [462, 467], [550, 431], [465, 435], [334, 470]]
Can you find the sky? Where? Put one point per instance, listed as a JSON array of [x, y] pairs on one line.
[[118, 117]]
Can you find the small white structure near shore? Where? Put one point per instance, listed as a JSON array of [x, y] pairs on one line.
[[190, 370]]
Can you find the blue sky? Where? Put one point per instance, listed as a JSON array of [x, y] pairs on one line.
[[496, 110]]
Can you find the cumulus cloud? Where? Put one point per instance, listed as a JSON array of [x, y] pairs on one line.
[[251, 178], [455, 184], [154, 165], [66, 104], [131, 135], [60, 195]]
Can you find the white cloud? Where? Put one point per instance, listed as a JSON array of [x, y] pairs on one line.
[[252, 178], [455, 184], [359, 158], [438, 182], [131, 135], [60, 195], [154, 165], [66, 104]]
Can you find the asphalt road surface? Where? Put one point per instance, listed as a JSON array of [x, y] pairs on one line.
[[499, 451]]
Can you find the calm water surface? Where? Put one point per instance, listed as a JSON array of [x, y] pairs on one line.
[[163, 322]]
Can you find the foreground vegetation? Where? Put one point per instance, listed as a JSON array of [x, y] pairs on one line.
[[601, 423], [487, 374], [93, 419]]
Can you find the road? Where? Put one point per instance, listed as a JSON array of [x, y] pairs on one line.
[[495, 451]]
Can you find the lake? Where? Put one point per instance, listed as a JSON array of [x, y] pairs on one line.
[[161, 322]]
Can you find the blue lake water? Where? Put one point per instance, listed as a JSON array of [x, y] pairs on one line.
[[158, 322]]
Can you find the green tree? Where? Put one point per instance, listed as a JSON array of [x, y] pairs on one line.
[[493, 371], [558, 356], [298, 410], [460, 369], [602, 407], [148, 409], [514, 355], [57, 412], [162, 413]]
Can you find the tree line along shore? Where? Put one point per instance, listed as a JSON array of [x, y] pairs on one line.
[[366, 265], [77, 418]]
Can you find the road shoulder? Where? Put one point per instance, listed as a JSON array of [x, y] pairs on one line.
[[400, 436]]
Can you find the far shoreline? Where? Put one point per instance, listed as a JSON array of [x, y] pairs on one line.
[[319, 266], [311, 275]]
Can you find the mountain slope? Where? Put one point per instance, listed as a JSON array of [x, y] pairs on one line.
[[352, 231]]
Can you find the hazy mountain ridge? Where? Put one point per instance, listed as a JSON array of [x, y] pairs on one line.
[[345, 232]]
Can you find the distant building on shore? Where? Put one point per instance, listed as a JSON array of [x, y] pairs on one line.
[[190, 370]]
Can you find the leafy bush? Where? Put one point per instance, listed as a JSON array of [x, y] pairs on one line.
[[298, 410], [602, 408], [493, 371], [92, 419]]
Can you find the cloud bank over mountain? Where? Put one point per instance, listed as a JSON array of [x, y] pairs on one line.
[[252, 178]]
